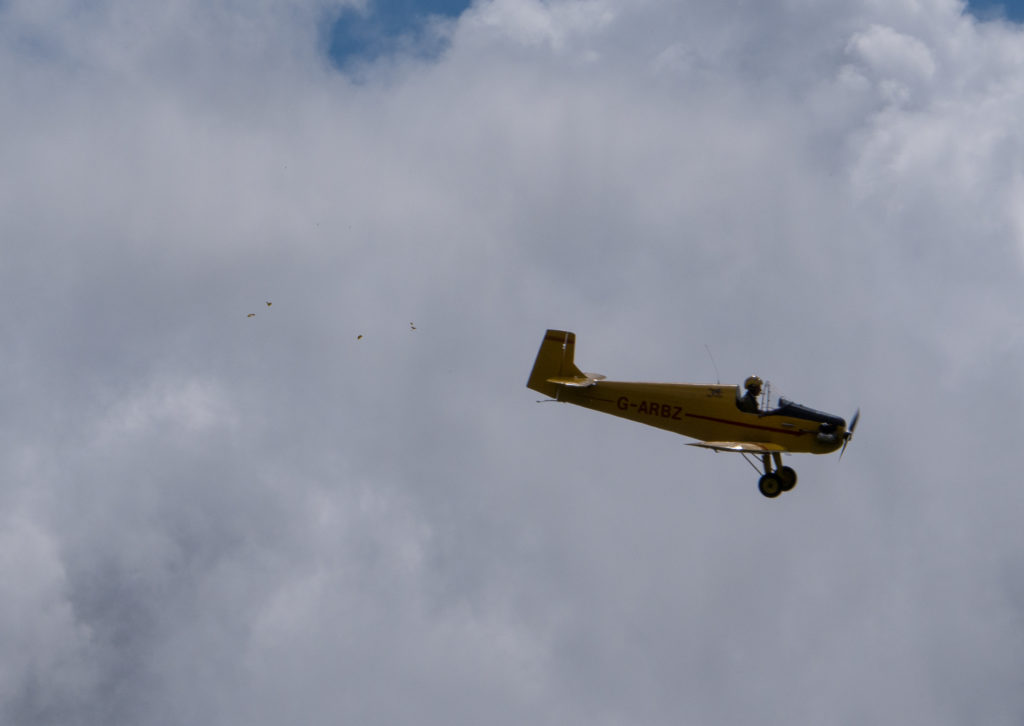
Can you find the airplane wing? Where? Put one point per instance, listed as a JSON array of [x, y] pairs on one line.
[[742, 447]]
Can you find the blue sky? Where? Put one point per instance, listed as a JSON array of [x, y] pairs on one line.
[[366, 36], [1011, 9]]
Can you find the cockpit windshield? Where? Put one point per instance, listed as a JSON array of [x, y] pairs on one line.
[[759, 401], [795, 410]]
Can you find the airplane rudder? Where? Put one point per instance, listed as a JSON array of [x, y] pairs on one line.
[[554, 359]]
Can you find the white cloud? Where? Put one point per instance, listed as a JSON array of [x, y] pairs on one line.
[[900, 61], [192, 407], [532, 23], [272, 518], [45, 650]]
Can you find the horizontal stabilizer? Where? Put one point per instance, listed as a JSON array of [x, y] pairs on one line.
[[584, 381], [742, 447]]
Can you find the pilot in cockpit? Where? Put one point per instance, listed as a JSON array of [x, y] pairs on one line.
[[749, 401]]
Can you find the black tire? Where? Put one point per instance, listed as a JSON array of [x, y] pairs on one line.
[[788, 477], [770, 485]]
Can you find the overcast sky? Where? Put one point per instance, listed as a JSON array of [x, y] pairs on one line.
[[317, 514]]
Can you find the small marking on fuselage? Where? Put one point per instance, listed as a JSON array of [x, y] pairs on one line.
[[651, 408]]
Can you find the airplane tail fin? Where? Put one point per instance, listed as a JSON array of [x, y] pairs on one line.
[[554, 360]]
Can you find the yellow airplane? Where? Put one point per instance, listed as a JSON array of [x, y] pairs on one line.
[[722, 418]]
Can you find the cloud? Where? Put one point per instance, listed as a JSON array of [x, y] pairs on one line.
[[214, 519], [903, 60], [45, 645], [534, 23]]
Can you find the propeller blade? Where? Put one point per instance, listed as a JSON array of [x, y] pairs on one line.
[[849, 433]]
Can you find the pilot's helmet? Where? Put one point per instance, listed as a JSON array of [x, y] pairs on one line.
[[753, 383]]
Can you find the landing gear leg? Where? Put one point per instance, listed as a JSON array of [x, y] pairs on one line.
[[786, 474], [770, 483]]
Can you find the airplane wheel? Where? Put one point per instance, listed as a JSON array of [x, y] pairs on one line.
[[770, 485], [788, 477]]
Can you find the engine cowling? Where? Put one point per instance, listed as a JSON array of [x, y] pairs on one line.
[[827, 434]]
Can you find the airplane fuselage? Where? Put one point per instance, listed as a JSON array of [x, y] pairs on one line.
[[707, 412]]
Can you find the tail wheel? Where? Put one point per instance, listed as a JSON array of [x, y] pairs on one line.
[[770, 485], [788, 477]]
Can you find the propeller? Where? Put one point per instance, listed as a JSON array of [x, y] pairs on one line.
[[849, 432]]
